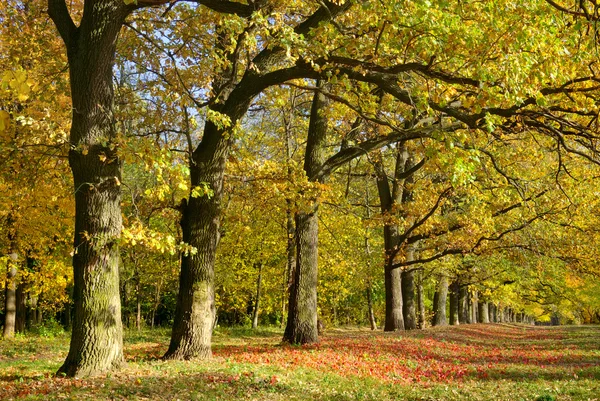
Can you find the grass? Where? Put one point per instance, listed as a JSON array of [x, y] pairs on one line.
[[469, 362]]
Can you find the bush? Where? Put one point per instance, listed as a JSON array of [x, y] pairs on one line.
[[49, 329]]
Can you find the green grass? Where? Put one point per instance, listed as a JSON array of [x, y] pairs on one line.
[[470, 362]]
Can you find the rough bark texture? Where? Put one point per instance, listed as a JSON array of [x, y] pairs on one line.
[[302, 319], [10, 301], [195, 310], [194, 313], [96, 340], [463, 307], [32, 314], [389, 197], [420, 301], [301, 325], [21, 311], [394, 319], [484, 312], [454, 302], [474, 307], [439, 307], [408, 299]]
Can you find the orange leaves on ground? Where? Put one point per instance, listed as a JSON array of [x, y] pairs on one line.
[[441, 355]]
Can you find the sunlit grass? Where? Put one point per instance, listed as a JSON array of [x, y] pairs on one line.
[[470, 362]]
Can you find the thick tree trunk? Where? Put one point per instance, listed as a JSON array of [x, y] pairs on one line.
[[257, 302], [289, 212], [463, 305], [484, 312], [301, 325], [420, 301], [394, 319], [439, 307], [368, 253], [21, 312], [32, 308], [10, 301], [390, 197], [408, 299], [474, 307], [302, 319], [200, 222], [96, 339], [469, 308], [10, 289], [454, 302], [291, 258]]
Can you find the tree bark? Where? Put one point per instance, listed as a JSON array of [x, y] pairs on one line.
[[389, 197], [257, 302], [474, 307], [408, 299], [290, 225], [463, 306], [10, 301], [420, 300], [32, 308], [439, 307], [138, 301], [302, 319], [368, 253], [484, 312], [21, 309], [301, 325], [371, 312], [96, 339], [454, 302], [394, 319]]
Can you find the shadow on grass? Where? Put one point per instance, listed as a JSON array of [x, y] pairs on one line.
[[188, 386]]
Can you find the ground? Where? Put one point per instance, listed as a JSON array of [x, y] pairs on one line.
[[468, 362]]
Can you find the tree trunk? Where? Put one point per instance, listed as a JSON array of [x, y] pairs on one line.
[[439, 307], [289, 212], [454, 303], [408, 299], [421, 300], [469, 308], [21, 310], [291, 257], [10, 301], [474, 307], [389, 197], [370, 307], [257, 302], [32, 309], [368, 253], [138, 298], [96, 339], [484, 312], [394, 319], [301, 325], [463, 305]]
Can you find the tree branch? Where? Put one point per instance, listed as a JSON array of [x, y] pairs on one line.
[[59, 14], [352, 152]]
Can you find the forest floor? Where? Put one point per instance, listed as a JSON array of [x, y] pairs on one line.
[[468, 362]]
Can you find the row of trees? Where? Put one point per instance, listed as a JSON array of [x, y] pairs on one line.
[[454, 146]]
